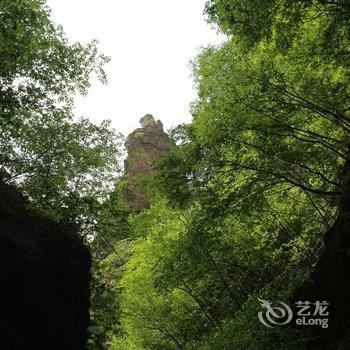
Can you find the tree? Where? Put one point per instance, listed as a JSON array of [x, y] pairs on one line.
[[256, 180], [66, 166], [271, 134]]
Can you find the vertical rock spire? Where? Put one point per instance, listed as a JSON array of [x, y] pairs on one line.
[[144, 146]]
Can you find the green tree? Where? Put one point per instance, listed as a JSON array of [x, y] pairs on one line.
[[265, 162], [257, 178], [66, 166]]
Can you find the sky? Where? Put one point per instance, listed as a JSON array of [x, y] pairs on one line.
[[151, 43]]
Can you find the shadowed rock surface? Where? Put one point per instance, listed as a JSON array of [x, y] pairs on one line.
[[45, 277], [330, 280], [144, 146]]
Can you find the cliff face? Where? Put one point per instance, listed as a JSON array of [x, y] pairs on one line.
[[330, 281], [45, 276], [144, 146]]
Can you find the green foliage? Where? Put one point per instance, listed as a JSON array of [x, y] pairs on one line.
[[112, 219], [66, 166], [249, 18], [182, 285], [255, 181], [105, 299], [153, 319], [139, 134], [176, 174]]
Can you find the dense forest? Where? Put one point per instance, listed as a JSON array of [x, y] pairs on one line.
[[250, 201]]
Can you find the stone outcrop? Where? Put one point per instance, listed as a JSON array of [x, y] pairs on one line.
[[144, 146], [330, 280], [45, 276]]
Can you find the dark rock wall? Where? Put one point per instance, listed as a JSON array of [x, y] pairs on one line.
[[330, 280], [44, 280]]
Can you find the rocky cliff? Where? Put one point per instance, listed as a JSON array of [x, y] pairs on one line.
[[45, 276], [144, 146], [330, 281]]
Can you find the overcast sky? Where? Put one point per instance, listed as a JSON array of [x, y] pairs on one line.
[[151, 43]]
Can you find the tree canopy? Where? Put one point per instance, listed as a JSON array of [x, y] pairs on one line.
[[238, 209], [63, 164], [257, 178]]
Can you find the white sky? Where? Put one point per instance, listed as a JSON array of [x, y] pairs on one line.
[[151, 43]]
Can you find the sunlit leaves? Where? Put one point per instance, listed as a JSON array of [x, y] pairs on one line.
[[61, 163]]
